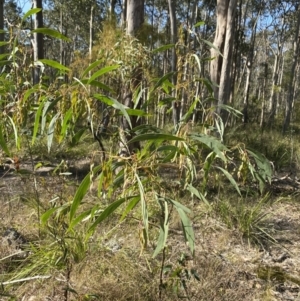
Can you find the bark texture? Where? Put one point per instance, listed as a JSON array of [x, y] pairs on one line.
[[173, 27], [135, 16], [221, 66], [1, 24], [292, 83], [38, 43], [135, 19]]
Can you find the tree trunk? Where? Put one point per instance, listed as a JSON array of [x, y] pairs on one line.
[[274, 84], [173, 27], [225, 76], [216, 63], [1, 25], [61, 42], [249, 71], [124, 13], [135, 16], [263, 88], [38, 42], [135, 19], [112, 9], [91, 37], [292, 82]]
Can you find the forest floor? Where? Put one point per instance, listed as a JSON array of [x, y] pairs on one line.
[[117, 267]]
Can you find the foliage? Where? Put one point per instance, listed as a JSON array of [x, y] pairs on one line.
[[250, 220], [152, 181]]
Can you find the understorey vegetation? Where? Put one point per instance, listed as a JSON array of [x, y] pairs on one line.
[[126, 179]]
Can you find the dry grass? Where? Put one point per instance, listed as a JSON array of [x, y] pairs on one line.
[[225, 266]]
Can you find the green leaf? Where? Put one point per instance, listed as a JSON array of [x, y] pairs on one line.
[[135, 112], [47, 215], [78, 81], [164, 228], [52, 104], [103, 71], [31, 12], [4, 55], [75, 139], [165, 101], [197, 60], [162, 80], [15, 132], [79, 218], [207, 84], [212, 46], [3, 142], [143, 206], [231, 110], [231, 179], [130, 206], [3, 63], [213, 143], [2, 43], [201, 23], [160, 244], [187, 229], [51, 130], [198, 194], [107, 212], [44, 117], [115, 104], [64, 126], [179, 205], [163, 48], [264, 168], [206, 168], [54, 64], [51, 33], [97, 84], [172, 148], [155, 136], [81, 192], [91, 66], [29, 92], [190, 111]]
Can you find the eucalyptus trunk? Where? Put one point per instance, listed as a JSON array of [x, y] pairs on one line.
[[249, 64], [263, 91], [173, 28], [61, 42], [38, 40], [124, 13], [91, 37], [225, 79], [112, 9], [216, 63], [292, 81], [135, 16], [1, 25], [274, 84], [221, 66], [135, 19]]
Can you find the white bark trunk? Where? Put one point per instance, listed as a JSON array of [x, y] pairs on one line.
[[135, 16], [173, 27], [292, 83], [216, 63], [124, 13], [1, 24], [38, 42], [225, 78]]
